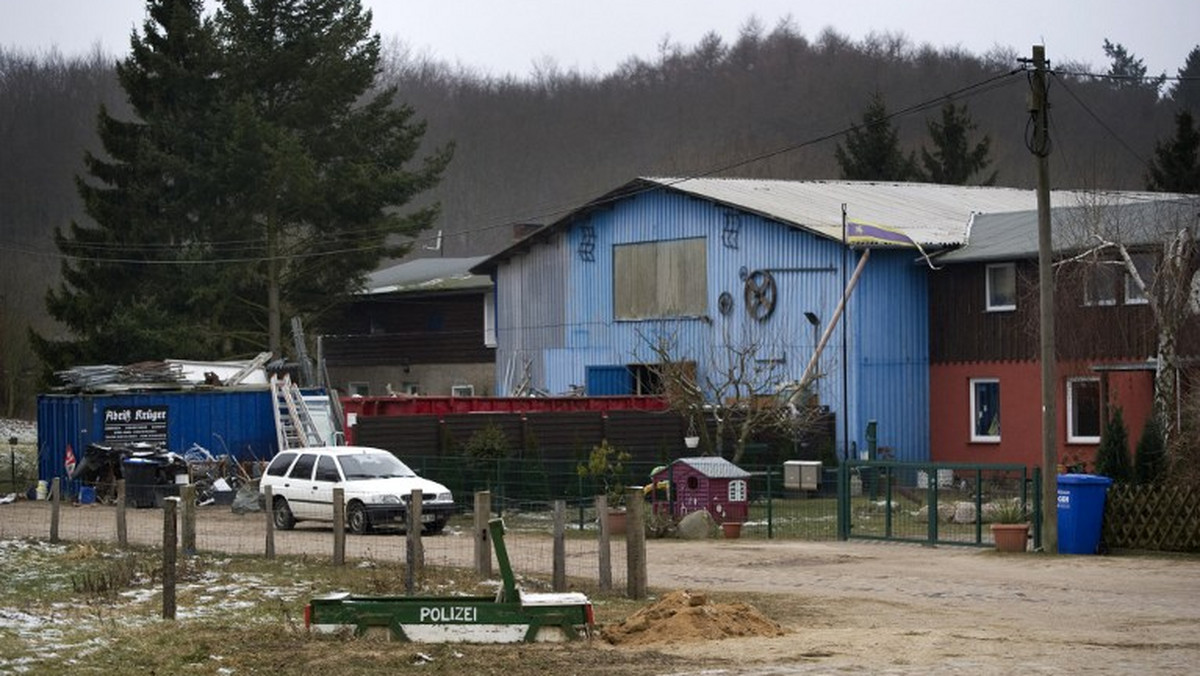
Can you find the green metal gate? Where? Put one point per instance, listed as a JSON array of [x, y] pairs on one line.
[[933, 503]]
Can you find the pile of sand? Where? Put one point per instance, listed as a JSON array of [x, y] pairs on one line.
[[684, 616]]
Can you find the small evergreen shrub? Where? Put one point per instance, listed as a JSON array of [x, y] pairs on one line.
[[1151, 458], [1112, 458]]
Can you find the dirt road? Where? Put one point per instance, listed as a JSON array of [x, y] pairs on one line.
[[848, 607]]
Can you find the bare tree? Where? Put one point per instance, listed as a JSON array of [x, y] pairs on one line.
[[1112, 236], [737, 385]]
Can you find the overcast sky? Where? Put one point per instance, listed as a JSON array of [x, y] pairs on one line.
[[499, 37]]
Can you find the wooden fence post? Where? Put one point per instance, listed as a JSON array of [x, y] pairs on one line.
[[187, 515], [635, 542], [122, 524], [339, 526], [269, 501], [483, 548], [559, 579], [604, 546], [414, 550], [54, 495], [169, 543]]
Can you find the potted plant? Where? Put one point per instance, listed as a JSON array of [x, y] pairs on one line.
[[1010, 527], [605, 467]]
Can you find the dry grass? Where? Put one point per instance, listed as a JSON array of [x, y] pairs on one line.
[[93, 609]]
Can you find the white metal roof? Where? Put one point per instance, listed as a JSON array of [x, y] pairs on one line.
[[928, 213], [427, 274]]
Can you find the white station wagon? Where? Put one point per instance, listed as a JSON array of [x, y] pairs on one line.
[[377, 487]]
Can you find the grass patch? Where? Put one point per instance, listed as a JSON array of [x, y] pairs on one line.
[[95, 609]]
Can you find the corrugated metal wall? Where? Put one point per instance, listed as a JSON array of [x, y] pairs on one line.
[[530, 293], [238, 422], [808, 275], [890, 323]]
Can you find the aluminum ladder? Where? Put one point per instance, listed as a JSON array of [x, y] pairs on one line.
[[294, 427]]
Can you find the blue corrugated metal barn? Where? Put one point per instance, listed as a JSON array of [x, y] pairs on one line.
[[710, 263], [235, 421]]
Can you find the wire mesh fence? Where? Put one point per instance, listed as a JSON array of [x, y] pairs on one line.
[[219, 529]]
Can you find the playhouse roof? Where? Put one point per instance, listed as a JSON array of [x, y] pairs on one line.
[[713, 467]]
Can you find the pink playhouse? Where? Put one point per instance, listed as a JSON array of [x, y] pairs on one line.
[[708, 482]]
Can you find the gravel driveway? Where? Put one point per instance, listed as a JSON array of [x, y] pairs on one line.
[[852, 607]]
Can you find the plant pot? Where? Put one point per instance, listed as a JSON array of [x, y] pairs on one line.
[[616, 521], [1010, 537], [732, 529]]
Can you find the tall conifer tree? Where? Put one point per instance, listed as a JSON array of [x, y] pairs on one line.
[[872, 151], [261, 177], [953, 160], [125, 294], [1176, 163]]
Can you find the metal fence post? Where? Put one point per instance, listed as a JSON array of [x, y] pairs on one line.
[[843, 500], [1037, 508], [770, 507], [886, 472], [932, 500]]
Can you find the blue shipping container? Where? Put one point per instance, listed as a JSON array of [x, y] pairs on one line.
[[238, 422]]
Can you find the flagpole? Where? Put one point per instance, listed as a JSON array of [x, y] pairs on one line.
[[845, 351]]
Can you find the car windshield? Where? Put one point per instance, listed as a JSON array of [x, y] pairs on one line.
[[373, 466]]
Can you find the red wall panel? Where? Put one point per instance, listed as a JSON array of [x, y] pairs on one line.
[[1021, 411]]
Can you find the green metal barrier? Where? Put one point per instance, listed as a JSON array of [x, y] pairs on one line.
[[932, 503]]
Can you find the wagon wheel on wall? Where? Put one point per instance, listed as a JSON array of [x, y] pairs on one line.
[[760, 295]]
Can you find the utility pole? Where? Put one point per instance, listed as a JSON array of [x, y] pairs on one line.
[[1041, 152]]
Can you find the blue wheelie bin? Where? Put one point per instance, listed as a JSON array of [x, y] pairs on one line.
[[1080, 512]]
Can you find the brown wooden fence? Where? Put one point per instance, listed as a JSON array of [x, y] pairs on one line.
[[1163, 518]]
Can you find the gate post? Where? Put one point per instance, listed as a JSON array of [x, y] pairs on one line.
[[843, 500], [1037, 509], [932, 500]]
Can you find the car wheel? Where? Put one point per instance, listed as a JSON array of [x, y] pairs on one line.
[[356, 518], [433, 528], [283, 514]]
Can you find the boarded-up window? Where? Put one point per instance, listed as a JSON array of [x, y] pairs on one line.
[[660, 279]]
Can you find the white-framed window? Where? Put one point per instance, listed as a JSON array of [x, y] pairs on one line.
[[1100, 284], [1083, 410], [1001, 287], [462, 391], [359, 389], [985, 409], [1144, 262], [737, 490], [660, 279], [489, 319]]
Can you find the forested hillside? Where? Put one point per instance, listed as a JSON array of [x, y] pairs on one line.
[[771, 105]]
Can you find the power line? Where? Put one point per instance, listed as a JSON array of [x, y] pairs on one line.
[[991, 83], [1104, 125]]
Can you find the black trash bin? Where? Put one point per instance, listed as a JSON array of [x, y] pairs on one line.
[[144, 484]]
